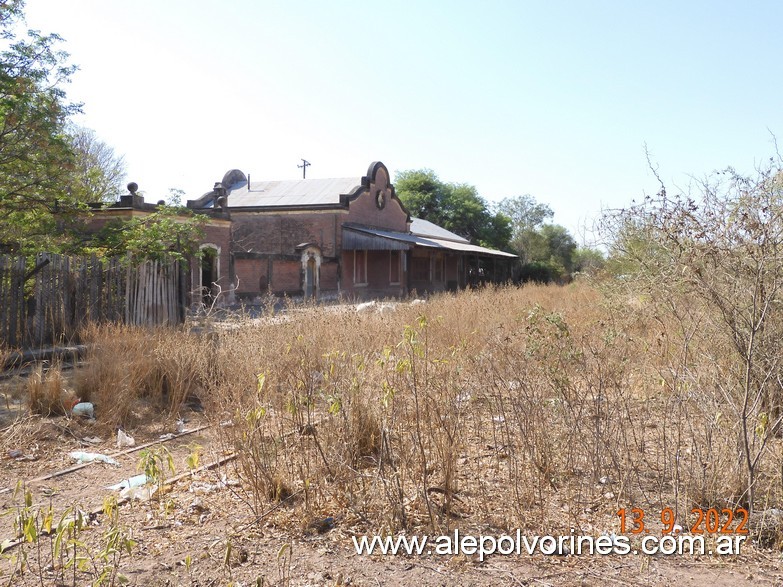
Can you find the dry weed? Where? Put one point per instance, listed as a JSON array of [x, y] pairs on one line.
[[46, 393], [543, 408]]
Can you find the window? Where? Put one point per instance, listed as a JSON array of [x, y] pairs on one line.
[[420, 268], [438, 269], [360, 267], [394, 267]]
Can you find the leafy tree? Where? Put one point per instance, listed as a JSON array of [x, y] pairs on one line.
[[526, 215], [547, 251], [587, 259], [36, 159], [560, 246], [168, 232], [454, 206], [98, 172], [525, 211]]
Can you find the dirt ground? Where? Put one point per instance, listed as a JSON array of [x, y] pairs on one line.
[[184, 538]]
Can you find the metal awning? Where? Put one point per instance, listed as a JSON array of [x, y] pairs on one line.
[[355, 238]]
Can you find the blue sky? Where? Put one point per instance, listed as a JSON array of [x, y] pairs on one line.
[[550, 98]]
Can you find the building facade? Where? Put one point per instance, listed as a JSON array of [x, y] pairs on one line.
[[328, 238]]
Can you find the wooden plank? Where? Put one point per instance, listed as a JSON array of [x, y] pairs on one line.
[[4, 289], [17, 302], [94, 273]]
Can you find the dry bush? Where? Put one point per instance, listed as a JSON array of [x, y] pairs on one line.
[[125, 364], [46, 393], [481, 408], [543, 408]]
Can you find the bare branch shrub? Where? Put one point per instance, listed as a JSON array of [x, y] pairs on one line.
[[710, 269]]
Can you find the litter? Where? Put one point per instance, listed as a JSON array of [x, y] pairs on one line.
[[143, 493], [167, 436], [124, 439], [84, 409], [135, 481], [321, 525], [201, 487], [89, 457], [91, 440], [180, 426], [19, 455]]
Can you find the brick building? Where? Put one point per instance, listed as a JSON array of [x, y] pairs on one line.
[[330, 237]]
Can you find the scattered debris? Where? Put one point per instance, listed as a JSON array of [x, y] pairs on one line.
[[463, 398], [124, 440], [197, 507], [19, 455], [201, 487], [135, 481], [143, 493], [91, 440], [180, 426], [320, 525], [89, 457], [84, 410], [366, 306]]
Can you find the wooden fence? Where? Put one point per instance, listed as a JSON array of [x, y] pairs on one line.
[[47, 301]]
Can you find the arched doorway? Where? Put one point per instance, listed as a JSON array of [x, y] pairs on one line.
[[311, 266], [209, 273]]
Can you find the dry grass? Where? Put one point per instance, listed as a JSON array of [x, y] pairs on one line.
[[127, 365], [542, 408], [46, 392]]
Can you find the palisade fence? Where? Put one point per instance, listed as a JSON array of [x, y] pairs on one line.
[[46, 301]]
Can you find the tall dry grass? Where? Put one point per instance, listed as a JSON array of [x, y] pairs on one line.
[[128, 367], [543, 408], [46, 392]]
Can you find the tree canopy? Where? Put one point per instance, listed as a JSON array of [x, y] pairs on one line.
[[547, 251], [50, 168], [36, 158], [99, 173], [454, 206]]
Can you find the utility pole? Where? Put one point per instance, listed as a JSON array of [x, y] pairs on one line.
[[303, 167]]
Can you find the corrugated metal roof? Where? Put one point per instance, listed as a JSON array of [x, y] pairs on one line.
[[362, 241], [426, 228], [463, 247], [297, 192], [469, 248]]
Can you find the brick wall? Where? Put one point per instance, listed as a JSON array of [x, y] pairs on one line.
[[286, 276], [329, 275], [252, 274], [280, 233], [363, 210]]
